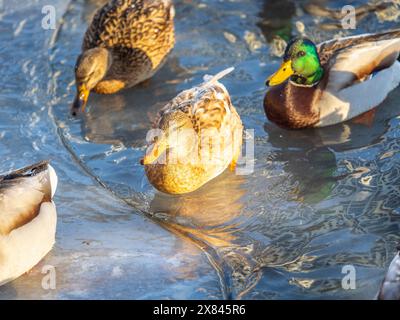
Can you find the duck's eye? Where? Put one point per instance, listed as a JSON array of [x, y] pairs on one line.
[[301, 54]]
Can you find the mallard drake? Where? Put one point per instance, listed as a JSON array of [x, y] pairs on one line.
[[195, 138], [337, 80], [126, 43], [390, 288], [27, 219]]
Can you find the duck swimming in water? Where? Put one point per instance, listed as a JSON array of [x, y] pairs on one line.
[[199, 136], [126, 43], [337, 80]]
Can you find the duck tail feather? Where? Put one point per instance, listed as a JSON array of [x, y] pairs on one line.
[[212, 79], [26, 171]]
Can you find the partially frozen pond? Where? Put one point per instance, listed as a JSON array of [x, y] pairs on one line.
[[318, 200]]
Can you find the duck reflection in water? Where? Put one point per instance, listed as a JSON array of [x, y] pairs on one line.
[[113, 122], [215, 219], [212, 214], [309, 154], [276, 19]]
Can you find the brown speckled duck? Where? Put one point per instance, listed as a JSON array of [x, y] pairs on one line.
[[196, 137], [126, 43], [337, 80], [27, 219]]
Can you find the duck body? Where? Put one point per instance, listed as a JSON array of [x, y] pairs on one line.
[[27, 219], [358, 74], [201, 135], [390, 288], [139, 34], [126, 43]]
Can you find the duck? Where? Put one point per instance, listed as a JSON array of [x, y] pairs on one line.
[[195, 137], [390, 287], [334, 81], [28, 218], [127, 42]]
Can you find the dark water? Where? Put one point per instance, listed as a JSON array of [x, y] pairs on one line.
[[318, 200]]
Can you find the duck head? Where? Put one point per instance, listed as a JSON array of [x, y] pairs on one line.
[[175, 135], [91, 67], [301, 64]]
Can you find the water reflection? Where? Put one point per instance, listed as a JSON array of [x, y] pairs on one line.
[[335, 16], [276, 19], [320, 20], [90, 8], [215, 218], [210, 214], [113, 119]]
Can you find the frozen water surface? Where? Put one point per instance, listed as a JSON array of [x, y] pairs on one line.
[[317, 200]]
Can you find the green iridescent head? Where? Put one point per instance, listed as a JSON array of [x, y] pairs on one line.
[[301, 63]]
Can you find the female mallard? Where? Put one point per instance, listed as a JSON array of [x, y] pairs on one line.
[[127, 42], [27, 219], [197, 136], [334, 81]]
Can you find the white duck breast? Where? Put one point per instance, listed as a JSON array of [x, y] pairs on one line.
[[27, 219]]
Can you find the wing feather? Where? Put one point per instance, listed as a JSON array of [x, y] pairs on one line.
[[355, 64], [127, 23], [209, 111], [328, 49], [21, 195]]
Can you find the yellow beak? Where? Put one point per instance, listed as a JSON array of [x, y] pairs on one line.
[[81, 99], [284, 72], [155, 151]]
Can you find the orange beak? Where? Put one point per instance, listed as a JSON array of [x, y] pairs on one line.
[[80, 99]]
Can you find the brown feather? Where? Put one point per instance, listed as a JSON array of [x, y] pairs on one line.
[[329, 48], [139, 35], [292, 106], [207, 111]]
